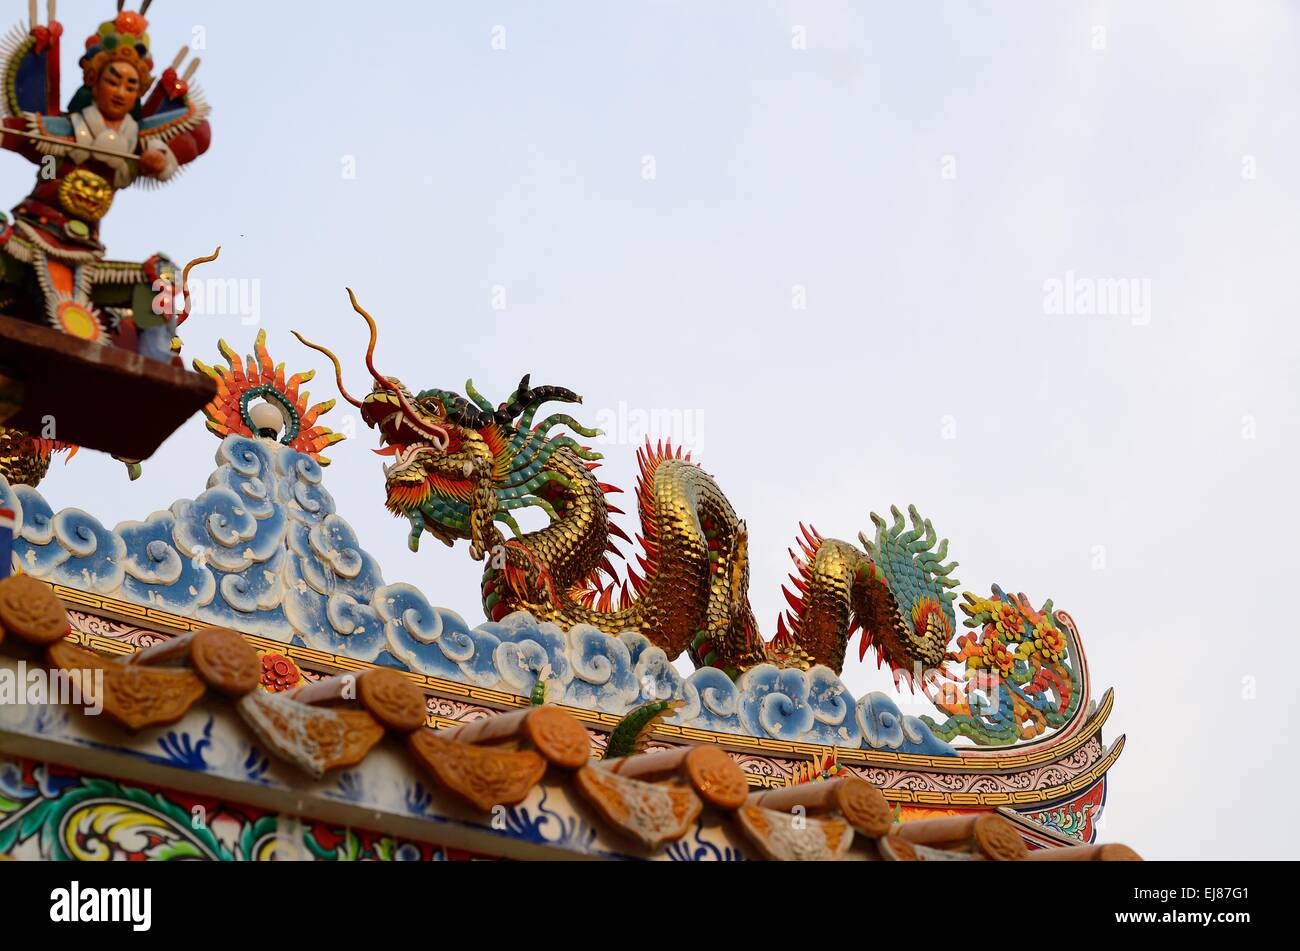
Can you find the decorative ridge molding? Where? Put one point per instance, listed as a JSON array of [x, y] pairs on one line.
[[670, 733]]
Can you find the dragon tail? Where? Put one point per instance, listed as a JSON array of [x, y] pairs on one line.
[[633, 731]]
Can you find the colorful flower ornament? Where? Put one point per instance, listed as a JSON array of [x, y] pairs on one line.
[[79, 320], [258, 379], [1047, 640], [1021, 677], [995, 655], [1010, 625], [279, 673]]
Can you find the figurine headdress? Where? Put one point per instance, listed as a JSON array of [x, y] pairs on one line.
[[125, 37], [126, 30]]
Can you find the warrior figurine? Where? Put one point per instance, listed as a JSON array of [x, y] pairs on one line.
[[120, 128]]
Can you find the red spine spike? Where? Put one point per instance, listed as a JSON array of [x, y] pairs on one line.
[[783, 637], [609, 489], [810, 534], [618, 533], [796, 603], [614, 510]]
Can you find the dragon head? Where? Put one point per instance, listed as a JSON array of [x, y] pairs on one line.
[[442, 457], [460, 465]]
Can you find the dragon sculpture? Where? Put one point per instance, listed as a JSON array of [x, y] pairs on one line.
[[461, 468]]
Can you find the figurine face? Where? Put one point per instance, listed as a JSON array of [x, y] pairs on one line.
[[117, 90]]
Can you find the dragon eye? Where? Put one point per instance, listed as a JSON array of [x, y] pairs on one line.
[[432, 406]]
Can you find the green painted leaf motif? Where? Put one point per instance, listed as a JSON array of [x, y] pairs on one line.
[[255, 834], [318, 850], [49, 818], [174, 851], [33, 821]]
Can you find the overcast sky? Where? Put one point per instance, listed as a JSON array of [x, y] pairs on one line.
[[845, 250]]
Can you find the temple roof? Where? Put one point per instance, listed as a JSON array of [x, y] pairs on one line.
[[261, 561], [358, 747]]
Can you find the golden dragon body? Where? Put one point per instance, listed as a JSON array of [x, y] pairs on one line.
[[461, 468]]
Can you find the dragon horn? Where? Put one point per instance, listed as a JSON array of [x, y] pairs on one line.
[[515, 405], [185, 283], [439, 434], [527, 396], [338, 370]]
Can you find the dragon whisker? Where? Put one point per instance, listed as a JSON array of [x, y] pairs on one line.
[[338, 370], [438, 435]]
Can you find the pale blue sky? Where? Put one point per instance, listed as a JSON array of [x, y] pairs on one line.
[[1117, 154]]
